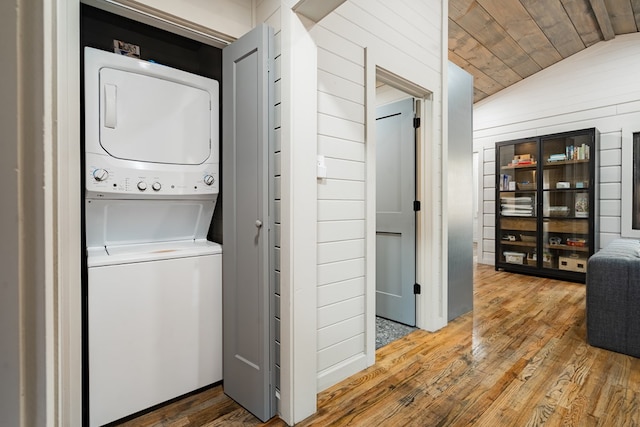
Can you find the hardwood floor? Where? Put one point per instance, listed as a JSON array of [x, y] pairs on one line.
[[520, 359]]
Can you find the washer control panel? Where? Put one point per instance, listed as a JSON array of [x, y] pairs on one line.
[[104, 175]]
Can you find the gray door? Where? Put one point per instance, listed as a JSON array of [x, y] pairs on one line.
[[246, 87], [395, 217]]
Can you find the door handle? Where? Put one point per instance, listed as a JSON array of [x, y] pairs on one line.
[[110, 106], [258, 223]]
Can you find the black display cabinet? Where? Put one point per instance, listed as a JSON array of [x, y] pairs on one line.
[[547, 204]]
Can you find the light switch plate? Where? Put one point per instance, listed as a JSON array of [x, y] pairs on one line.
[[322, 167]]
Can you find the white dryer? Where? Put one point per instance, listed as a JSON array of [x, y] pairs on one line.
[[154, 299]]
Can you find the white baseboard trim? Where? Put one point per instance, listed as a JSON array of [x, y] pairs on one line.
[[340, 371], [488, 260]]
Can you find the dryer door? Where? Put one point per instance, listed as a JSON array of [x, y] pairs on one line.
[[150, 119]]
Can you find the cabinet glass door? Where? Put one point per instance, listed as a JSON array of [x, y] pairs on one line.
[[516, 205], [565, 204]]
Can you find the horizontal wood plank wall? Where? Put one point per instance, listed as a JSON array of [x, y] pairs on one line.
[[412, 30], [341, 201], [597, 87], [268, 11]]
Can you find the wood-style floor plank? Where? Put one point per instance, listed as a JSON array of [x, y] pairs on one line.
[[519, 359]]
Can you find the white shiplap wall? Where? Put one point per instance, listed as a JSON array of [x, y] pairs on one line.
[[408, 35], [597, 87], [341, 199]]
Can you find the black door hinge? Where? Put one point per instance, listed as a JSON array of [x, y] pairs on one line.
[[416, 205], [416, 122], [416, 289]]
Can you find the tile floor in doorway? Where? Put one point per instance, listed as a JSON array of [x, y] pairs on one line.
[[388, 331]]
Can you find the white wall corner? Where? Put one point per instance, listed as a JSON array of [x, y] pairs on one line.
[[66, 115], [432, 303], [370, 213], [441, 319], [299, 220]]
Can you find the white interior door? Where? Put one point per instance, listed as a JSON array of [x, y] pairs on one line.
[[247, 341], [395, 215]]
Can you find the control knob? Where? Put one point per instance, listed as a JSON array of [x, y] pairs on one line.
[[142, 186], [156, 186], [209, 179], [100, 175]]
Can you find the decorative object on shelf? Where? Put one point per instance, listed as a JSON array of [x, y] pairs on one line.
[[555, 241], [559, 211], [582, 205], [505, 180], [572, 241], [572, 263], [563, 185], [577, 153], [526, 185], [514, 257], [517, 206], [559, 157], [523, 160]]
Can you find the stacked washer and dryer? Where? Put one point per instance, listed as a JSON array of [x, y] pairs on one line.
[[154, 303]]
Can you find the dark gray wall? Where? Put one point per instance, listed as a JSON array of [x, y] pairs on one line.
[[460, 188]]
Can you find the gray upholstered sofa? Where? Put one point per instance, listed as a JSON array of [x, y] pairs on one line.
[[613, 297]]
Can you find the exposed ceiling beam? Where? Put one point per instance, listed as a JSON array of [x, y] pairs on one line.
[[602, 16]]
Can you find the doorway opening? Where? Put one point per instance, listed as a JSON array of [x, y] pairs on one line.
[[397, 205]]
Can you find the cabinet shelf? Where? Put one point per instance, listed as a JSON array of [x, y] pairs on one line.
[[518, 243], [566, 218], [567, 248], [566, 162], [527, 166], [538, 255], [567, 190]]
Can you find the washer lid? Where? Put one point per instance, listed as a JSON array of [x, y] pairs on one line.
[[150, 119]]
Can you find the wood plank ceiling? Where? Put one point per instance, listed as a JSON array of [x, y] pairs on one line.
[[501, 42]]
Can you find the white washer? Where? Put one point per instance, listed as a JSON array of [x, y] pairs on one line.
[[155, 328], [154, 309]]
